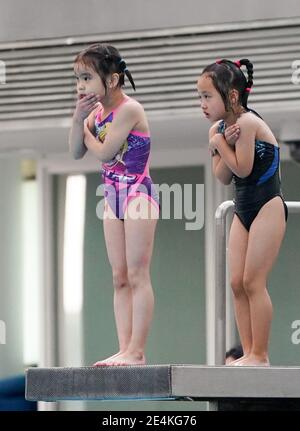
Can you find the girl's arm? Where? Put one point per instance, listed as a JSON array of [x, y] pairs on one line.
[[76, 138], [240, 161], [125, 120], [84, 107], [219, 168]]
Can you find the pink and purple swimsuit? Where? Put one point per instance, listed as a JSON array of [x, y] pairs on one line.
[[127, 175]]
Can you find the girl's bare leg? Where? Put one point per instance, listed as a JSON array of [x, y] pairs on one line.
[[237, 249], [265, 238], [139, 239], [114, 233]]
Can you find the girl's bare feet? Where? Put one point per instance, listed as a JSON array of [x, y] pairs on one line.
[[253, 361], [236, 361], [106, 361], [129, 359], [123, 359]]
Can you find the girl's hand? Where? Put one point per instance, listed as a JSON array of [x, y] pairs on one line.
[[212, 149], [85, 105], [85, 128], [232, 134], [213, 143]]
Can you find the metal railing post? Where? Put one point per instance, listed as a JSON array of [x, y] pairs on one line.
[[220, 287]]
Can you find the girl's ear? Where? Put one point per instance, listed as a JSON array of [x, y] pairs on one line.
[[113, 81]]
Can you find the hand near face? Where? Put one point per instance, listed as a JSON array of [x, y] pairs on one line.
[[85, 105]]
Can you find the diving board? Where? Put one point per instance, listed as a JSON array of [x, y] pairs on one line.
[[98, 383], [169, 382]]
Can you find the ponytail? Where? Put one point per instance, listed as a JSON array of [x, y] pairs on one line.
[[249, 67], [123, 69], [249, 84]]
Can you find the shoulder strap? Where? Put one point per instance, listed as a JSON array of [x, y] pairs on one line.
[[221, 127]]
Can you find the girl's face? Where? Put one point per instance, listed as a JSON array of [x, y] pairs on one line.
[[211, 101], [88, 81]]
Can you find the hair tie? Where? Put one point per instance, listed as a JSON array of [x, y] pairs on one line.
[[219, 61], [248, 89], [122, 65], [238, 63]]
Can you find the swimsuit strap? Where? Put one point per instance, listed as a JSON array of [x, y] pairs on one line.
[[221, 127], [99, 114]]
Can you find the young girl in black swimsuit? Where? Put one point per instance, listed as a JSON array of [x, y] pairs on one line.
[[245, 150]]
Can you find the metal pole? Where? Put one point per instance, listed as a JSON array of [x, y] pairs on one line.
[[220, 287], [220, 267], [293, 206]]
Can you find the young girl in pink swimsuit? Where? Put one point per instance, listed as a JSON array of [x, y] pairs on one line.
[[114, 128]]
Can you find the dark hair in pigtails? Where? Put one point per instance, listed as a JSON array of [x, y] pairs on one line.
[[244, 98], [105, 60], [124, 69], [227, 75], [249, 84]]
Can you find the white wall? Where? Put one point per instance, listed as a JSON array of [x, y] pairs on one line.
[[30, 19]]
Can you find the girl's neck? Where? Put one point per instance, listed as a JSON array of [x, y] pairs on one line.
[[232, 116], [109, 103]]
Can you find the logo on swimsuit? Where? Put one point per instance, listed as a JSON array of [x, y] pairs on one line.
[[2, 332], [114, 176], [296, 72], [2, 72], [295, 338]]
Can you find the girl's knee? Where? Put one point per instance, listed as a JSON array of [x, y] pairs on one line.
[[120, 278], [137, 275], [237, 286], [252, 284]]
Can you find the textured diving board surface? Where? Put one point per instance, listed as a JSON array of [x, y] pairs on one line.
[[101, 383], [163, 382]]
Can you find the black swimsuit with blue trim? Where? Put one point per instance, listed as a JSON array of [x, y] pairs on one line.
[[262, 185]]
